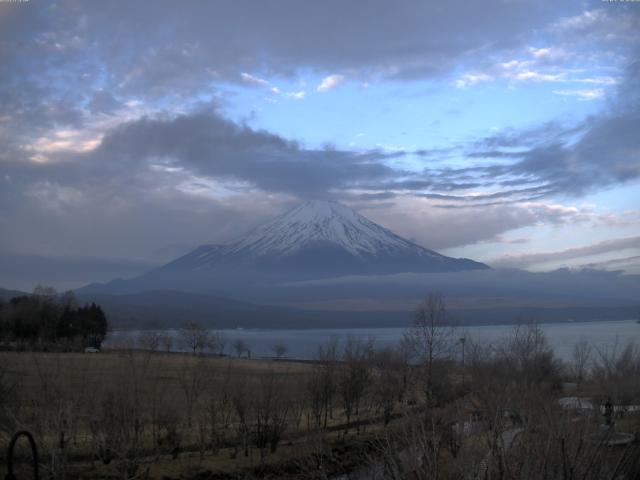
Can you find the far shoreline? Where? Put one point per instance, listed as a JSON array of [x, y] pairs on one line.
[[377, 327]]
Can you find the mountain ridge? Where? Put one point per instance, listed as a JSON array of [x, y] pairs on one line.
[[344, 241], [315, 240]]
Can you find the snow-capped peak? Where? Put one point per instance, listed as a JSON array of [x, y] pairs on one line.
[[319, 239], [322, 222]]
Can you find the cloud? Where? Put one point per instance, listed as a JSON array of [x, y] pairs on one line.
[[556, 160], [166, 180], [258, 82], [90, 209], [24, 272], [104, 102], [525, 260], [296, 95], [549, 53], [330, 82], [469, 79], [104, 126], [436, 228], [602, 80], [128, 54], [213, 146], [583, 94], [581, 21], [628, 265], [585, 47]]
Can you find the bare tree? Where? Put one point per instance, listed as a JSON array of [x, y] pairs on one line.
[[299, 403], [529, 357], [166, 340], [121, 417], [322, 383], [280, 350], [581, 356], [240, 347], [431, 336], [354, 376], [217, 343], [218, 409], [388, 380], [149, 340], [617, 372], [242, 406], [193, 383], [195, 337], [269, 410], [412, 452], [314, 390]]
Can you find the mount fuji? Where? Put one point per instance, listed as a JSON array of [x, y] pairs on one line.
[[317, 239], [323, 265]]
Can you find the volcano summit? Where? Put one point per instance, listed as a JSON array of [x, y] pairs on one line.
[[317, 239]]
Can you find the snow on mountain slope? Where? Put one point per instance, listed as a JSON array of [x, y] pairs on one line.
[[316, 222], [322, 236]]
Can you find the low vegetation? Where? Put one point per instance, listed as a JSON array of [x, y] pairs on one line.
[[414, 411]]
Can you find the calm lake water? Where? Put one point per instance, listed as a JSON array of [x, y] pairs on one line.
[[303, 344]]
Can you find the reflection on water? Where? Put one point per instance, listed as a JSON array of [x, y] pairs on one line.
[[303, 344]]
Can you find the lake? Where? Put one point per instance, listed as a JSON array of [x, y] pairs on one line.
[[303, 344]]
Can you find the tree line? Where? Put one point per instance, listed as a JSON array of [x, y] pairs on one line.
[[48, 321]]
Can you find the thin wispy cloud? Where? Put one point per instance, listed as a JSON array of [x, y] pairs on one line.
[[529, 259], [330, 82]]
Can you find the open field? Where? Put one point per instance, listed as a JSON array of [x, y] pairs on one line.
[[167, 414], [90, 371], [368, 413]]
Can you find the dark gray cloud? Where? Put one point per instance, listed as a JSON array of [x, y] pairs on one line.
[[103, 102], [405, 39], [216, 147]]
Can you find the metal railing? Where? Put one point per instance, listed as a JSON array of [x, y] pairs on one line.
[[34, 454]]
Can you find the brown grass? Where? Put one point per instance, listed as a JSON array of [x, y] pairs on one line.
[[41, 380]]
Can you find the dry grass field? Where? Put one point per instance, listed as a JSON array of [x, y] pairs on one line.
[[127, 413], [32, 372], [133, 414]]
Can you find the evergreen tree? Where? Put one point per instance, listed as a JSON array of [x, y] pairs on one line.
[[45, 318]]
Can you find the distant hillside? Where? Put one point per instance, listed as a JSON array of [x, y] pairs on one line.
[[170, 309], [167, 309], [157, 309], [8, 294]]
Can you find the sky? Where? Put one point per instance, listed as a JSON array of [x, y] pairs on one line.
[[507, 131]]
